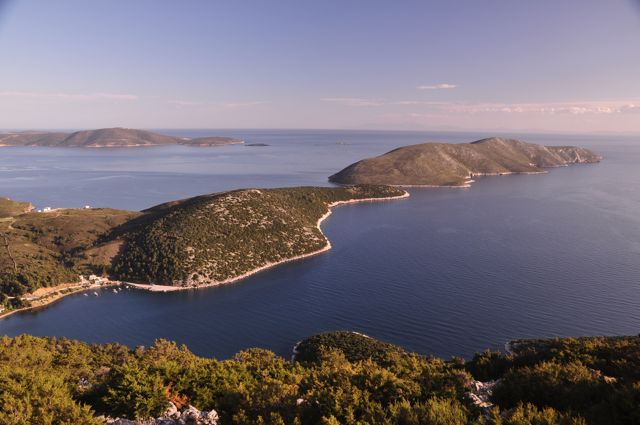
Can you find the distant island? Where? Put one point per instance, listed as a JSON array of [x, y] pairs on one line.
[[108, 138], [201, 241], [442, 164]]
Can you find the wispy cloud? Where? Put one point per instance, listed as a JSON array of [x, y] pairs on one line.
[[415, 102], [69, 96], [184, 103], [442, 86], [353, 101], [574, 108], [244, 104]]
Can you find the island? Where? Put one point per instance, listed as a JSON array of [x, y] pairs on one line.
[[202, 241], [108, 138], [338, 378], [455, 165]]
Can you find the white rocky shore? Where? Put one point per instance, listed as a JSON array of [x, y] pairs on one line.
[[189, 416], [327, 247]]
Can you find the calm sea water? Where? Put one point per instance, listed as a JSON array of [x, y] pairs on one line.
[[445, 272]]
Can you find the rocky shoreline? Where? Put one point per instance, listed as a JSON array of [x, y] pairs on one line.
[[56, 296], [327, 247]]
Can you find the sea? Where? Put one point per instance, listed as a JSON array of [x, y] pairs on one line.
[[445, 272]]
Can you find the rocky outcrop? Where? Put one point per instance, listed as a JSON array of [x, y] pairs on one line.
[[480, 394], [172, 416]]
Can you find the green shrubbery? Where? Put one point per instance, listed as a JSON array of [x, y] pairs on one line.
[[49, 380], [45, 249]]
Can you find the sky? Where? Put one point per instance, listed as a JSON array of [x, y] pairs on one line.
[[505, 65]]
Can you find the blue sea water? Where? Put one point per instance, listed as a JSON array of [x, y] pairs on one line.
[[444, 272]]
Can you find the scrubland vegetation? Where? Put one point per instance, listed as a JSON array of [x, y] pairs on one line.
[[339, 378], [195, 241]]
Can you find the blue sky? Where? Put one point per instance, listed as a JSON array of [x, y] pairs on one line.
[[561, 65]]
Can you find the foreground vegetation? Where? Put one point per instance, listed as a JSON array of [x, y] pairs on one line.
[[190, 242], [340, 378]]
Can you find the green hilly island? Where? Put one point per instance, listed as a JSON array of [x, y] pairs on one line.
[[444, 164], [198, 241], [337, 378], [107, 138]]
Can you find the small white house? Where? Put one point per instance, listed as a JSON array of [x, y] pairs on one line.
[[87, 207], [46, 209]]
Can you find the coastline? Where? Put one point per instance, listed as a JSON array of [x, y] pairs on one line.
[[56, 296], [468, 182], [327, 247]]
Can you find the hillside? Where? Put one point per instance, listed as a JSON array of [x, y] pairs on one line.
[[10, 208], [45, 249], [221, 237], [107, 138], [202, 240], [571, 381], [441, 164]]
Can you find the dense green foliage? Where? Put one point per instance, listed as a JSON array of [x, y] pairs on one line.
[[217, 237], [46, 249], [354, 346], [596, 377], [558, 382]]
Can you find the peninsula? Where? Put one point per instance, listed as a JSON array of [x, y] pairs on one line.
[[108, 138], [443, 164], [206, 240]]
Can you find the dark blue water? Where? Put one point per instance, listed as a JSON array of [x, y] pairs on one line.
[[445, 272]]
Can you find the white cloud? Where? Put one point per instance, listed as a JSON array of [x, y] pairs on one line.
[[353, 101], [69, 96], [442, 86]]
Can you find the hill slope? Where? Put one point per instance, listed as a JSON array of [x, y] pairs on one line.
[[202, 240], [10, 208], [107, 138], [441, 164], [222, 237]]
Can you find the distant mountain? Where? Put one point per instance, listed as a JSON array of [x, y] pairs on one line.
[[441, 164], [107, 138]]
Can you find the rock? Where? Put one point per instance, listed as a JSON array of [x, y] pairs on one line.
[[480, 393], [172, 416], [171, 411], [211, 417]]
